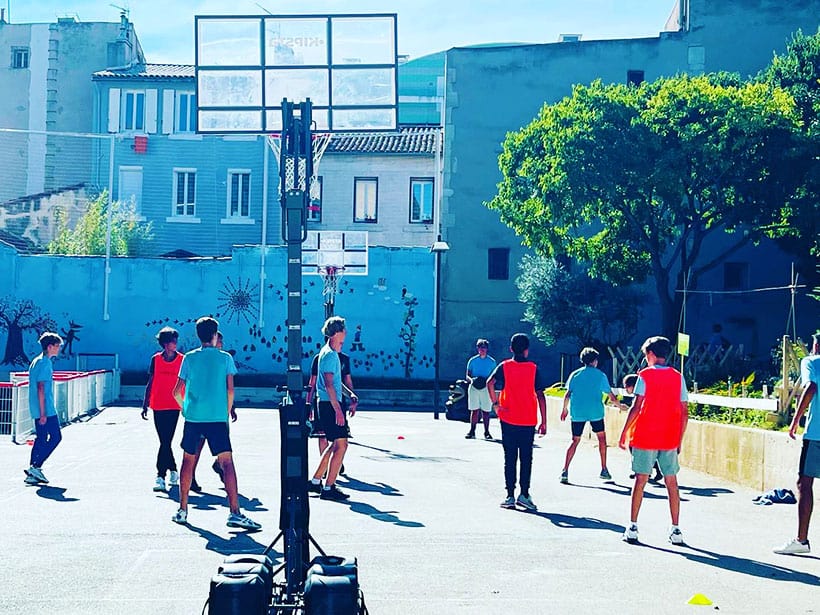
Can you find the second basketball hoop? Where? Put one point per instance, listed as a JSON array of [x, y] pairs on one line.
[[332, 254]]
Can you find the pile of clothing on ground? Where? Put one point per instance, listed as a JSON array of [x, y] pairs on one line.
[[775, 496]]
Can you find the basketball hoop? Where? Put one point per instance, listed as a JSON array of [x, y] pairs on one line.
[[330, 283], [319, 143]]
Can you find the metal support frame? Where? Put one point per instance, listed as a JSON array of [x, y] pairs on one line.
[[294, 512]]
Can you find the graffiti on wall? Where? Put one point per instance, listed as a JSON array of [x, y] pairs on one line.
[[385, 338], [69, 337], [238, 301], [19, 317]]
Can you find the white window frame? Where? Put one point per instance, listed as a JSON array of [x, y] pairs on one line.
[[184, 217], [238, 218], [24, 53], [428, 181], [365, 181], [191, 119], [133, 116]]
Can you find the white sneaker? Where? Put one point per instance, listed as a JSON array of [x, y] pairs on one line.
[[173, 478], [631, 533], [159, 485], [676, 536], [240, 520], [793, 547], [180, 517], [30, 480]]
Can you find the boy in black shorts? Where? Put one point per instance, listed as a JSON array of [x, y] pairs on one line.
[[331, 415], [206, 375]]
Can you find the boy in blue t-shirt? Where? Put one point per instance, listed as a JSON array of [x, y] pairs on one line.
[[331, 416], [41, 407], [204, 390], [583, 401], [479, 368], [809, 466]]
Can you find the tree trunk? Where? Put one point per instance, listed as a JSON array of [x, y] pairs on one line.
[[669, 307], [15, 355]]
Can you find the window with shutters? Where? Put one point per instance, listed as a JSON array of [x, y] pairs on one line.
[[133, 111], [185, 116]]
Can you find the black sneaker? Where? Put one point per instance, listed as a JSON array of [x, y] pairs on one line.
[[488, 435], [470, 436], [195, 487], [218, 469], [333, 493], [314, 487]]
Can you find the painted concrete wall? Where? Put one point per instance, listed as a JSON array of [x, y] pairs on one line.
[[146, 294], [739, 35]]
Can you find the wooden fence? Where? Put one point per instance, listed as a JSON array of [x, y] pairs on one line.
[[629, 361]]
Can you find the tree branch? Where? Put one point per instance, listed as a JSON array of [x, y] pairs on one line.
[[722, 256]]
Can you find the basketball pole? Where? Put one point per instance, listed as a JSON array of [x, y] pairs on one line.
[[294, 512]]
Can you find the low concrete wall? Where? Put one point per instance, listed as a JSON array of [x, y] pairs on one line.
[[755, 458]]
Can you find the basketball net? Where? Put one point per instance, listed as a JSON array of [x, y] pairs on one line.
[[295, 178], [330, 282]]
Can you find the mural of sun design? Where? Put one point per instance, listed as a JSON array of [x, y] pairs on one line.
[[238, 300]]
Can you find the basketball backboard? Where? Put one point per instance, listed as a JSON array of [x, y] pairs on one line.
[[344, 250], [345, 64]]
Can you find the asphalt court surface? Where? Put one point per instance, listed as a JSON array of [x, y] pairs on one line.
[[423, 520]]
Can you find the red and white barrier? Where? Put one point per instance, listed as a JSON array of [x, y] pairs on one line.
[[75, 394]]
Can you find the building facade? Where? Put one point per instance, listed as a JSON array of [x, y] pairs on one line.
[[479, 294]]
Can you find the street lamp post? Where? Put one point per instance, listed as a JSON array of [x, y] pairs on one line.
[[438, 248]]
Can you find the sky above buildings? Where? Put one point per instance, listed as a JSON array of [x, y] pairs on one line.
[[165, 27]]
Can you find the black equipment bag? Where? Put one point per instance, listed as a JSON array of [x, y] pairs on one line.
[[238, 594], [332, 586]]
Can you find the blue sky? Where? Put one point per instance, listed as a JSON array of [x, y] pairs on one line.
[[165, 27]]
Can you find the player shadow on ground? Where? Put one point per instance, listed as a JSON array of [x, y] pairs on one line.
[[238, 542], [387, 516], [382, 488], [402, 457], [741, 564], [578, 523], [623, 490], [705, 492], [211, 501], [54, 493]]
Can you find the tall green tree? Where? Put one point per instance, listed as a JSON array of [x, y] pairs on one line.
[[567, 304], [88, 236], [798, 72], [635, 181]]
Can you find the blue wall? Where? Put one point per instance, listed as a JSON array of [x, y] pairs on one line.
[[146, 294]]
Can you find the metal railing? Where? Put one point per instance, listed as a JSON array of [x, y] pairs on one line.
[[75, 395]]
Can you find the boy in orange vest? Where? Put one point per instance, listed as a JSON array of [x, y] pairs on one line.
[[518, 406], [159, 396], [655, 427]]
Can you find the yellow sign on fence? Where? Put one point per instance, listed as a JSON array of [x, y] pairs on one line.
[[683, 344]]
